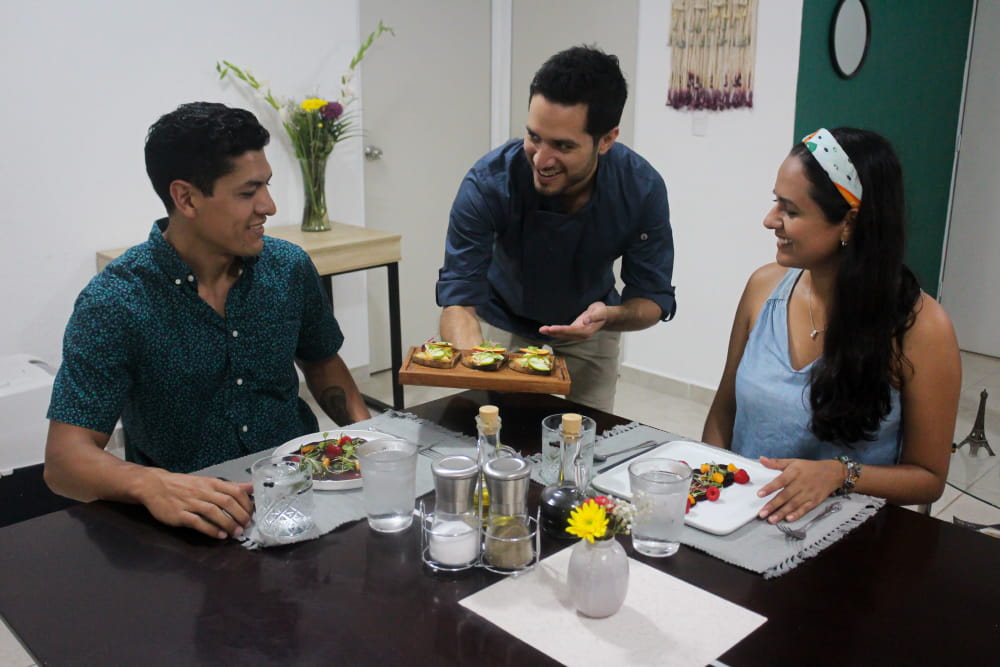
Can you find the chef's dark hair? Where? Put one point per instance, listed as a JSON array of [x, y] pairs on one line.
[[197, 143], [584, 75]]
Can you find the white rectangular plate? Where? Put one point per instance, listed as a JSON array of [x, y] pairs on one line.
[[737, 505]]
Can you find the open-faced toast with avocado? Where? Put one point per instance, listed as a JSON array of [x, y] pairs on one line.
[[532, 360], [487, 356], [437, 354]]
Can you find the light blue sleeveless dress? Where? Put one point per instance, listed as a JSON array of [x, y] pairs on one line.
[[772, 398]]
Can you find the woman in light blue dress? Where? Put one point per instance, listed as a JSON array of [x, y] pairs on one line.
[[841, 372]]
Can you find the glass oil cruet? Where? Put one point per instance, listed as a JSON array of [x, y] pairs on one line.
[[488, 448], [559, 498]]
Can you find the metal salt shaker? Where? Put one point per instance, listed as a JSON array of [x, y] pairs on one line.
[[454, 534]]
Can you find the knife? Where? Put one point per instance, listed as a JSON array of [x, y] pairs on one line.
[[630, 457]]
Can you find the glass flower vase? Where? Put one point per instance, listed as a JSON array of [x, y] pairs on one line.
[[314, 218], [598, 577]]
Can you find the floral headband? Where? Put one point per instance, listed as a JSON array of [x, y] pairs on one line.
[[836, 164]]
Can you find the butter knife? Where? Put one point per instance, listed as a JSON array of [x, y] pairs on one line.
[[652, 445]]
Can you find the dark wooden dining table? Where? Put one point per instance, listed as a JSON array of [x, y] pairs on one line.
[[105, 584]]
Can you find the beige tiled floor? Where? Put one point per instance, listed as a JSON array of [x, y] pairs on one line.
[[686, 417]]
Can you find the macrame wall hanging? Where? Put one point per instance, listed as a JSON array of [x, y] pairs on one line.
[[713, 47]]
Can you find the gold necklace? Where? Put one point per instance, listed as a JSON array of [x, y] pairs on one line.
[[815, 332]]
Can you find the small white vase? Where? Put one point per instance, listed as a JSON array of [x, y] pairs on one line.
[[598, 577]]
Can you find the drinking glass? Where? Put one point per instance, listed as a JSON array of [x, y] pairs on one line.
[[283, 499], [659, 492], [552, 446], [388, 475]]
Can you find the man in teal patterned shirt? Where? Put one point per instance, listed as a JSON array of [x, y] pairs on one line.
[[192, 337]]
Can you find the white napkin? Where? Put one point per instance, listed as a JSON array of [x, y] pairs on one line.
[[664, 621]]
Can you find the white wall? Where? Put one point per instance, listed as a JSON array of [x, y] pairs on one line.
[[719, 187], [82, 82]]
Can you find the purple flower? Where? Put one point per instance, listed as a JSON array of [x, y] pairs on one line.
[[332, 111]]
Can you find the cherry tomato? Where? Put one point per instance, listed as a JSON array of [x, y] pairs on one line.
[[333, 451]]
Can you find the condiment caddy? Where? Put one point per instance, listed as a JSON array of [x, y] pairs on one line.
[[480, 516]]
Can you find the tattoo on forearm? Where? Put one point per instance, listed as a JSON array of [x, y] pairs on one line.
[[334, 404]]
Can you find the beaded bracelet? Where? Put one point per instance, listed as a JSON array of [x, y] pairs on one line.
[[853, 472]]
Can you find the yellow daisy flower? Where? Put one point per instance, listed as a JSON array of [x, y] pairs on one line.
[[588, 521], [313, 104]]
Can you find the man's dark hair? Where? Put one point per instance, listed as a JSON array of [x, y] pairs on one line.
[[584, 75], [197, 143]]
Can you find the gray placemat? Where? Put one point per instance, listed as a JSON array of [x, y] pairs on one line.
[[758, 546], [335, 508]]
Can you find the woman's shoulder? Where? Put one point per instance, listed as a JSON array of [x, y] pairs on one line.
[[931, 323], [930, 343], [759, 288], [762, 282]]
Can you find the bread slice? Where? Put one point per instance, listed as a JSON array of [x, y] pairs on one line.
[[473, 360], [435, 354], [519, 363], [424, 359]]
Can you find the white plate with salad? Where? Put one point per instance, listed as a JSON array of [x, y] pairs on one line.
[[331, 455], [734, 506]]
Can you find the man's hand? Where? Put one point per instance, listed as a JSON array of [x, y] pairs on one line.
[[78, 467], [804, 485], [206, 504], [583, 327]]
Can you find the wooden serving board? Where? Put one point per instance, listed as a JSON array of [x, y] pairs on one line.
[[504, 379]]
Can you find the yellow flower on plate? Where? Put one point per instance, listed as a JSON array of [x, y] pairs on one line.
[[588, 521], [313, 104]]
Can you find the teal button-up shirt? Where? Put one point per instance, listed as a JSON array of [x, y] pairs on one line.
[[194, 388]]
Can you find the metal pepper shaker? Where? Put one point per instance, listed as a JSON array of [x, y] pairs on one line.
[[508, 543]]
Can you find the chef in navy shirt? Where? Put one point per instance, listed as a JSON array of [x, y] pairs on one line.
[[538, 224]]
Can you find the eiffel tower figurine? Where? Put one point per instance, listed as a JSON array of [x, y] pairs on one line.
[[977, 437]]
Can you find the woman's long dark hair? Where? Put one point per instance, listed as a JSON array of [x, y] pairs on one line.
[[874, 294]]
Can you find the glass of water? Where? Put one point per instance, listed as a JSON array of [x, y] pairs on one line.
[[659, 492], [283, 499], [552, 447], [388, 475]]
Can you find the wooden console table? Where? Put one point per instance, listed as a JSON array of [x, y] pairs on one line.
[[343, 249]]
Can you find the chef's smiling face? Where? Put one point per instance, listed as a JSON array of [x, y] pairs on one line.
[[563, 157]]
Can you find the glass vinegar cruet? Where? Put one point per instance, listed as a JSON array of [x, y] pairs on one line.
[[558, 499]]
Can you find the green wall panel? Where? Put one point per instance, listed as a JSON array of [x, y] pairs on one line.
[[909, 90]]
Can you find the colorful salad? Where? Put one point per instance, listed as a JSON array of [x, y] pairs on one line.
[[332, 458]]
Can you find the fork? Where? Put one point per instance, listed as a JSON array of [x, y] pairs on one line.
[[973, 525], [800, 533], [430, 453]]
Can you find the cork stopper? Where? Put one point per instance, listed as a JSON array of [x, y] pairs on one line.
[[571, 424], [489, 419]]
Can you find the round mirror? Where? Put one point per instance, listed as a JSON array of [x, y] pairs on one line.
[[850, 33]]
